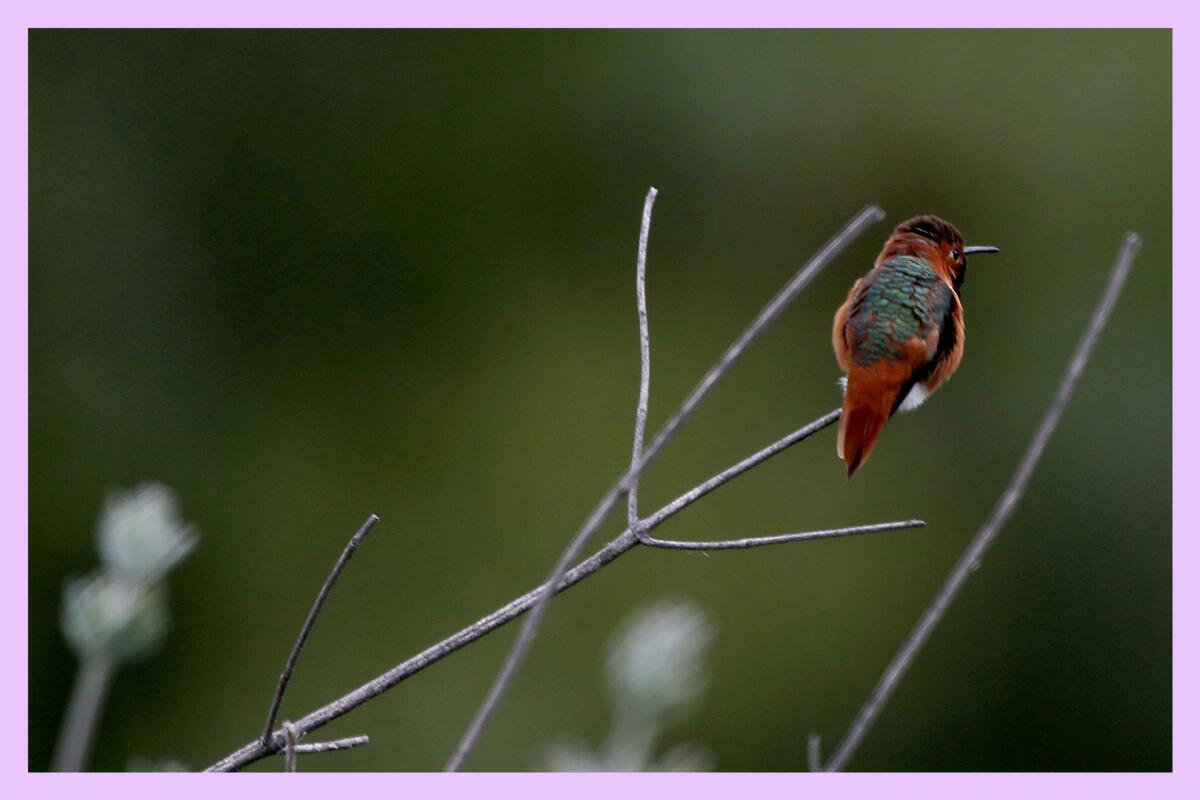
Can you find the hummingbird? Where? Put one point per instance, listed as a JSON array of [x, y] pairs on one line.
[[900, 333]]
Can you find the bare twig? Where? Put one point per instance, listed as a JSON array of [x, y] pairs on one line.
[[639, 427], [334, 745], [814, 753], [622, 544], [783, 538], [83, 712], [305, 629], [289, 746], [768, 314], [971, 558]]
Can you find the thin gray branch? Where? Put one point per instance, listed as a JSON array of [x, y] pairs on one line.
[[625, 542], [768, 314], [972, 557], [334, 745], [305, 629], [783, 538], [289, 746], [639, 427]]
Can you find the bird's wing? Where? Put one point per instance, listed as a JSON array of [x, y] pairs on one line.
[[841, 341], [946, 339], [887, 309]]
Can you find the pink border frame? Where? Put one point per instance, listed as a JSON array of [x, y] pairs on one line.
[[20, 15]]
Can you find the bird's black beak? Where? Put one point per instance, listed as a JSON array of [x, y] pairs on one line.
[[980, 248]]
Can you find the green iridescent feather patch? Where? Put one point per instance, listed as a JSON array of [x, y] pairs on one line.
[[899, 299]]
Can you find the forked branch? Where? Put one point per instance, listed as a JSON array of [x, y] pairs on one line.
[[562, 578]]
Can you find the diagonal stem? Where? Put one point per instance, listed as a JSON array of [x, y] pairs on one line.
[[333, 745], [972, 556], [783, 538], [307, 627]]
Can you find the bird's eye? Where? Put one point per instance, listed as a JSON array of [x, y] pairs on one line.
[[954, 254]]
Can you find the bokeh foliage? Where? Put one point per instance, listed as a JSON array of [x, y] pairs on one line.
[[303, 276]]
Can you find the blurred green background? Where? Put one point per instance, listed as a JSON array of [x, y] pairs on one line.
[[303, 276]]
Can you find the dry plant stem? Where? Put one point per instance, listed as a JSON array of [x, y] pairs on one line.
[[83, 712], [334, 745], [305, 629], [639, 427], [289, 747], [971, 558], [768, 314], [625, 542], [783, 538]]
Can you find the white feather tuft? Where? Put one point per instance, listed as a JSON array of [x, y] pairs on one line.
[[916, 395]]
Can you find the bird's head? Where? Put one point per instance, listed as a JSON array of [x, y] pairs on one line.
[[936, 241]]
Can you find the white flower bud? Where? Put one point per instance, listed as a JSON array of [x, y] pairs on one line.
[[104, 617], [656, 660], [141, 535]]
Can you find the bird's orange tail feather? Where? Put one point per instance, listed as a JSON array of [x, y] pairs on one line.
[[865, 410]]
